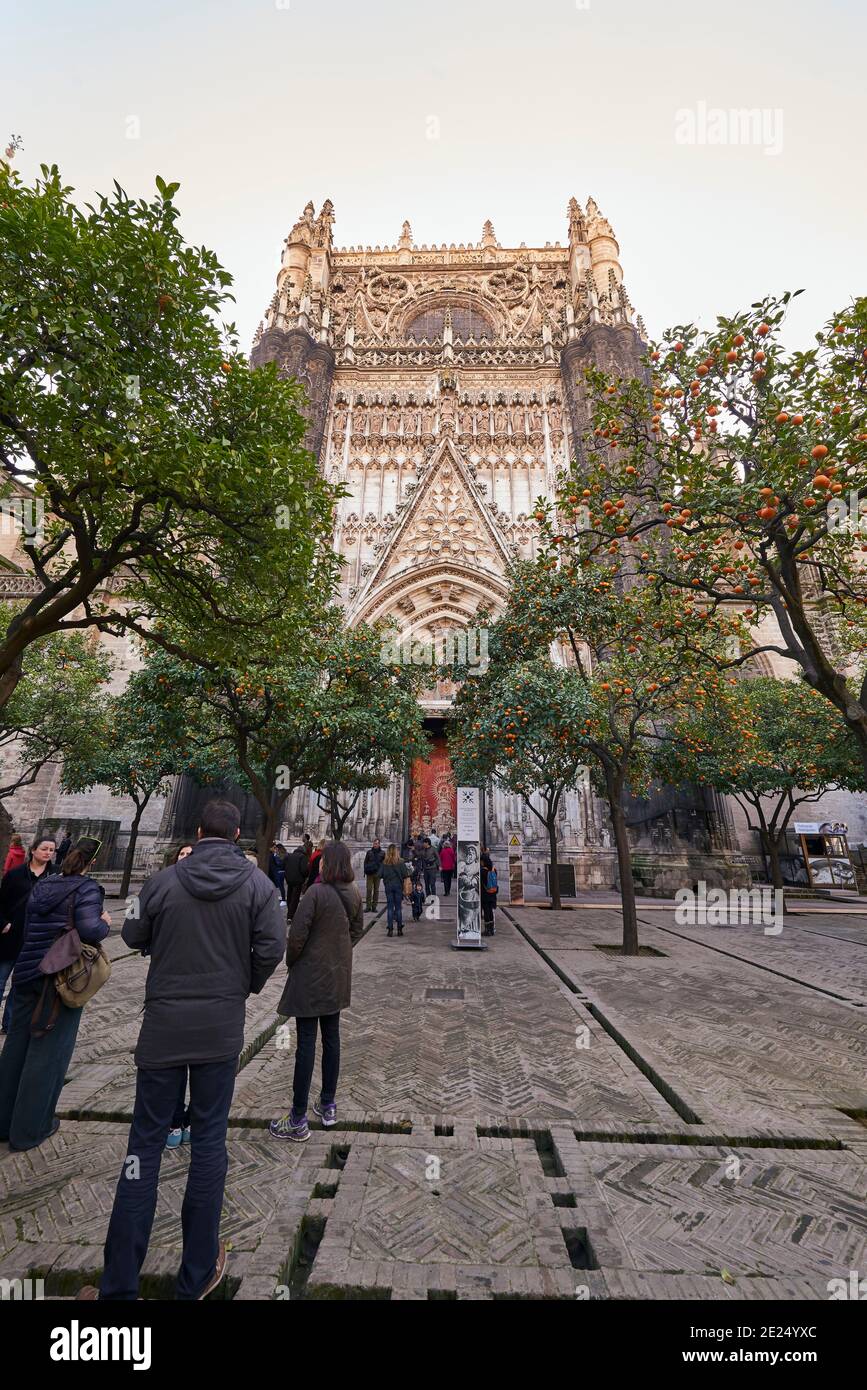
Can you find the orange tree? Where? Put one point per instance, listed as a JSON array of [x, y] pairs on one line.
[[750, 462], [641, 657], [515, 726], [140, 740], [771, 744], [336, 718], [166, 469]]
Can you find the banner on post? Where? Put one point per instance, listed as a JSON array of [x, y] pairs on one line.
[[468, 869]]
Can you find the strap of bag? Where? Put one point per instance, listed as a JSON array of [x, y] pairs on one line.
[[342, 905], [35, 1030]]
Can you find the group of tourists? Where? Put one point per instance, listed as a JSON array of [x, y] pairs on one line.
[[408, 875], [214, 928]]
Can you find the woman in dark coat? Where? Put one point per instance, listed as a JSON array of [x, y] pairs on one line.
[[33, 1069], [15, 889], [328, 923]]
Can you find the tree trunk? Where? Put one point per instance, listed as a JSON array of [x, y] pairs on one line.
[[614, 792], [267, 831], [130, 849], [554, 885]]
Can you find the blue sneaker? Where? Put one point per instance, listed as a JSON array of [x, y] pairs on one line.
[[326, 1113], [293, 1127], [175, 1139], [186, 1135]]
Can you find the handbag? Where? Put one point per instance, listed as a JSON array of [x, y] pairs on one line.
[[77, 969]]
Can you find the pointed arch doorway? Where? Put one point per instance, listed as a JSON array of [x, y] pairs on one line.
[[433, 794]]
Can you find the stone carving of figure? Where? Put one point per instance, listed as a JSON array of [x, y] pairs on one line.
[[304, 228], [555, 417], [360, 417], [322, 232], [427, 419], [447, 412], [518, 419], [465, 419], [535, 417], [501, 420], [392, 423], [377, 415]]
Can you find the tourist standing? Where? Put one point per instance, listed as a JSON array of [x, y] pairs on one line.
[[34, 1063], [180, 1128], [215, 934], [489, 893], [314, 866], [15, 856], [294, 877], [372, 865], [63, 849], [394, 872], [328, 923], [430, 867], [447, 864], [276, 868], [15, 889]]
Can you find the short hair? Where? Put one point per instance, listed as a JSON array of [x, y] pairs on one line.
[[336, 865], [220, 819], [40, 840]]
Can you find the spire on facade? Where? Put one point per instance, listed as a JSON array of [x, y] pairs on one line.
[[577, 222], [405, 240], [489, 236]]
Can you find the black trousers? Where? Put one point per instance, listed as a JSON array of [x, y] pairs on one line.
[[448, 875], [305, 1056], [135, 1202]]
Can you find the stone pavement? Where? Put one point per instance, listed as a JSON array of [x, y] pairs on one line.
[[540, 1120]]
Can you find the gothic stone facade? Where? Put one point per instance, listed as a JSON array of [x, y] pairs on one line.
[[445, 393]]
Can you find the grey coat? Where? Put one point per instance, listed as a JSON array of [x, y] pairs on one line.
[[214, 932], [328, 923]]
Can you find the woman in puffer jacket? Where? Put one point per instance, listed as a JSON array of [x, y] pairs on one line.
[[33, 1069]]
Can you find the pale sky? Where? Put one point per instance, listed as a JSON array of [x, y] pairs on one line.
[[254, 106]]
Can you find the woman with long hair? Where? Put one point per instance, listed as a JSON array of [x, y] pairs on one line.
[[328, 923], [39, 1047], [393, 872], [15, 889]]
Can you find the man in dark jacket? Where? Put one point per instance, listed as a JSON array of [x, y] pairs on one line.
[[294, 874], [372, 865], [430, 867], [214, 931]]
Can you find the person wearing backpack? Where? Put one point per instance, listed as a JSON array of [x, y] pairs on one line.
[[328, 924], [489, 893], [43, 1029]]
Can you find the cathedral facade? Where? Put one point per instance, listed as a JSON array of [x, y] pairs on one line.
[[445, 388]]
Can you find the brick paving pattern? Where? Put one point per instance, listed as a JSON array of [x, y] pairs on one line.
[[561, 1124]]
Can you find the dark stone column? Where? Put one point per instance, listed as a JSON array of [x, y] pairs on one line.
[[312, 364]]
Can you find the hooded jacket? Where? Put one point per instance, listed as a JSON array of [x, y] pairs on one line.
[[47, 914], [215, 934]]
